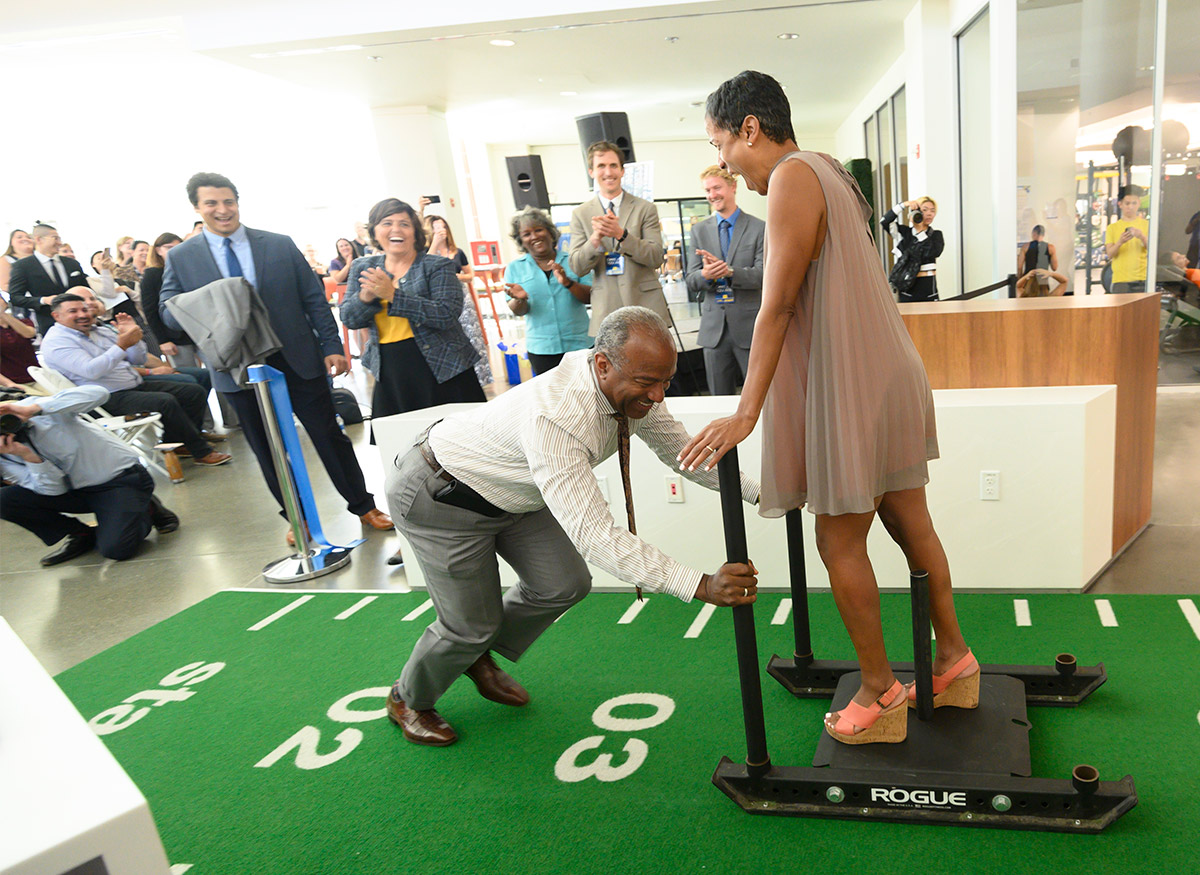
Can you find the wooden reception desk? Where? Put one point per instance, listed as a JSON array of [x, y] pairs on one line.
[[1074, 341]]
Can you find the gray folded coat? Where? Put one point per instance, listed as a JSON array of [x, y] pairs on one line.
[[229, 324]]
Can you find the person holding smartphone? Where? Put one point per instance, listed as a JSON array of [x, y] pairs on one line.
[[1125, 243]]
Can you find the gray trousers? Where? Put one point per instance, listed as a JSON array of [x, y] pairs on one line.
[[457, 551], [725, 365]]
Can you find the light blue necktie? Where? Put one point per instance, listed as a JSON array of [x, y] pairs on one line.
[[231, 260]]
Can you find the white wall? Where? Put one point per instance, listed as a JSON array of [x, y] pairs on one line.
[[1050, 530], [1046, 150]]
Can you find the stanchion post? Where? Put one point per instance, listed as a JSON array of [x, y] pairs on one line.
[[922, 648], [758, 762], [803, 654], [283, 471]]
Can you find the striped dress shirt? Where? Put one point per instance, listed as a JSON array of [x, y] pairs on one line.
[[535, 446]]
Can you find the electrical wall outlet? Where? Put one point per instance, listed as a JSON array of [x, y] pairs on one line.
[[674, 489], [989, 485]]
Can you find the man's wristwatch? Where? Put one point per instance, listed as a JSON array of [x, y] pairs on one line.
[[624, 234]]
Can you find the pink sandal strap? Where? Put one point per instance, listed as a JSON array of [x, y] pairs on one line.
[[863, 717], [941, 681]]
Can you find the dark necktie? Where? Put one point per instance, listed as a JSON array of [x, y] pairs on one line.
[[724, 229], [231, 259], [54, 274], [623, 458]]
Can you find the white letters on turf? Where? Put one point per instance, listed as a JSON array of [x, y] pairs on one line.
[[125, 715]]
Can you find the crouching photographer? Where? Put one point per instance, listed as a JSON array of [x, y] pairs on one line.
[[59, 464]]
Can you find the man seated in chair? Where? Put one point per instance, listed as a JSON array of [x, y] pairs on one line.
[[61, 464], [89, 354]]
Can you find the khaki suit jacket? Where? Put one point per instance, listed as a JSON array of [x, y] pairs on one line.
[[643, 251]]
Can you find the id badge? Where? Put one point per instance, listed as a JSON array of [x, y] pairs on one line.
[[614, 264], [724, 293]]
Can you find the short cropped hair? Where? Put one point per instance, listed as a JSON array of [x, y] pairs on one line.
[[601, 146], [927, 200], [1037, 229], [65, 298], [213, 180], [718, 170], [756, 94], [620, 324], [1129, 190], [40, 230], [533, 216], [389, 206]]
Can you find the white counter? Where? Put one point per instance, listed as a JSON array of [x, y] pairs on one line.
[[1050, 530]]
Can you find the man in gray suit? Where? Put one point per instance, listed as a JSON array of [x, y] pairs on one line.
[[725, 270], [299, 314], [617, 238]]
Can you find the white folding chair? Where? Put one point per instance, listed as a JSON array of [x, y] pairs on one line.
[[142, 433]]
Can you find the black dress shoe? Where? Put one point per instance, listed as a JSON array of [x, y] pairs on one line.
[[70, 547], [396, 558], [163, 519], [495, 684], [420, 727]]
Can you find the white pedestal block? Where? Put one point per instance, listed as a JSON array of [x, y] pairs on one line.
[[64, 799]]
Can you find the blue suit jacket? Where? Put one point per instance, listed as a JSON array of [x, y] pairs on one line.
[[294, 298]]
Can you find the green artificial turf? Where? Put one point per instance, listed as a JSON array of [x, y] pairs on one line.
[[492, 802]]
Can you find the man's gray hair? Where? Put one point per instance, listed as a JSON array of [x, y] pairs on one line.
[[618, 325]]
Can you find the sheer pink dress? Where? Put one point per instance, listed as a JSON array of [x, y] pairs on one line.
[[849, 415]]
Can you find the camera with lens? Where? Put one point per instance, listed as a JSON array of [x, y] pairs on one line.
[[12, 424]]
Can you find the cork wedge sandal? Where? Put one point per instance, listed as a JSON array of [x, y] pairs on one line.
[[883, 721], [957, 688]]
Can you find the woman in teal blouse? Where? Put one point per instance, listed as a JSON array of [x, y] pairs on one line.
[[542, 288]]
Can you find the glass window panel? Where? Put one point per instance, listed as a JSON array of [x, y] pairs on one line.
[[975, 161]]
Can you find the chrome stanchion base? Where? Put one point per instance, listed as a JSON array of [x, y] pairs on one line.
[[297, 567]]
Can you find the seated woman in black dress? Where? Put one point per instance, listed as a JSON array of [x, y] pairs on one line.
[[411, 302]]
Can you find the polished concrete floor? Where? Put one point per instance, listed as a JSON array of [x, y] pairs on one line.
[[231, 530]]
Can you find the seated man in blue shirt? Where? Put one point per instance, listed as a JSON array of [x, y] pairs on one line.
[[88, 354], [60, 464]]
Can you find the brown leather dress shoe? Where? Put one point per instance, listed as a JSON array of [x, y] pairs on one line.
[[419, 727], [377, 519], [212, 459], [495, 684]]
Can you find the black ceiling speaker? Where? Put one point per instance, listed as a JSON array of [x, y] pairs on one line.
[[528, 181], [611, 126]]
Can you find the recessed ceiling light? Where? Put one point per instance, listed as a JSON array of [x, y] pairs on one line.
[[568, 93], [697, 103], [502, 42], [788, 36], [672, 39], [374, 58]]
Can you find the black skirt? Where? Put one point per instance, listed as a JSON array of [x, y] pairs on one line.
[[406, 383]]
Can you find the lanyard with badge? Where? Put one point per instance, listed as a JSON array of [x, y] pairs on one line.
[[614, 262]]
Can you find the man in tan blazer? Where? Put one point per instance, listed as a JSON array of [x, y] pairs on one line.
[[617, 238]]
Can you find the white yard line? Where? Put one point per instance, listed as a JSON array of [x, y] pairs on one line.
[[1104, 609], [700, 622], [631, 612], [781, 612], [422, 608], [1193, 616], [1021, 609], [356, 607], [267, 621]]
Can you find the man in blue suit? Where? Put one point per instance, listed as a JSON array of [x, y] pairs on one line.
[[299, 315]]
